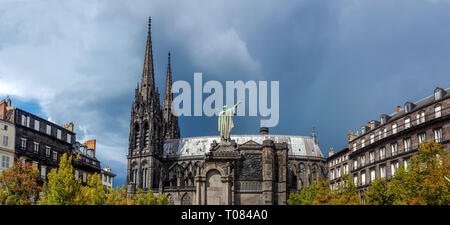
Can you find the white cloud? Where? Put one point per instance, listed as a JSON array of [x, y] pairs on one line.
[[80, 60]]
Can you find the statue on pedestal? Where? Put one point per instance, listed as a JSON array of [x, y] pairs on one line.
[[226, 123]]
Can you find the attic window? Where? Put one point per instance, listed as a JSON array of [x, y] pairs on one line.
[[407, 107], [437, 94]]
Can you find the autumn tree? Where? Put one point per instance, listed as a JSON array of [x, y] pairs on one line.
[[379, 193], [18, 184], [141, 198], [118, 196], [424, 180], [345, 194], [323, 194], [305, 196], [93, 193], [62, 188], [162, 200]]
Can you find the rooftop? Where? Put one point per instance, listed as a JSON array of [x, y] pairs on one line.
[[199, 146]]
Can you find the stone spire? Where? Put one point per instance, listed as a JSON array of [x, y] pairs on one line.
[[148, 79], [171, 129], [314, 135]]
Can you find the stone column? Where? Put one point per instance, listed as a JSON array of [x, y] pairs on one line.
[[226, 182], [267, 170], [282, 174], [198, 190]]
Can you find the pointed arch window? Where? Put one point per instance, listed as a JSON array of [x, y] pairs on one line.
[[137, 136], [146, 135]]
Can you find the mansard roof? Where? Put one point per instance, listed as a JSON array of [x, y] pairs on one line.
[[199, 146]]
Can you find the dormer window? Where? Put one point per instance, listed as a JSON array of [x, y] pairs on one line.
[[408, 107], [438, 93], [372, 125], [363, 130]]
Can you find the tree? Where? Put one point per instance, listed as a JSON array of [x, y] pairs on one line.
[[162, 200], [323, 194], [346, 193], [93, 193], [379, 194], [118, 197], [18, 184], [62, 188], [423, 182], [306, 196], [141, 198]]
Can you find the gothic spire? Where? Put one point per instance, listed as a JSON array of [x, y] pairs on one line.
[[148, 79], [168, 97], [170, 121]]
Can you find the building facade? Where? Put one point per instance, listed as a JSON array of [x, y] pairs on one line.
[[86, 163], [42, 143], [7, 138], [253, 169], [338, 165], [107, 178], [385, 145]]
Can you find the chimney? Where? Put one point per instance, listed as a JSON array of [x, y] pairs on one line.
[[398, 108], [351, 136], [90, 144], [264, 130], [3, 105], [330, 153], [68, 126]]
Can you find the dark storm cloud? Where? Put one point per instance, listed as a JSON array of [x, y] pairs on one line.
[[339, 63]]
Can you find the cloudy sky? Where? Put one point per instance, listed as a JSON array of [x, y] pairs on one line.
[[340, 63]]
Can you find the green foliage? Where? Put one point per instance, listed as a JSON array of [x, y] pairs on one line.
[[346, 193], [162, 200], [62, 188], [422, 183], [93, 193], [323, 194], [141, 198], [118, 196], [18, 184], [378, 193], [306, 196]]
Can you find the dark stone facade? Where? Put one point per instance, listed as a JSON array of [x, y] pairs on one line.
[[250, 168], [254, 169]]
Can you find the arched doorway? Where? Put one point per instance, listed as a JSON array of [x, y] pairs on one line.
[[214, 188]]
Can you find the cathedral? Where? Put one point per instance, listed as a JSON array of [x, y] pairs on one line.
[[255, 169]]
